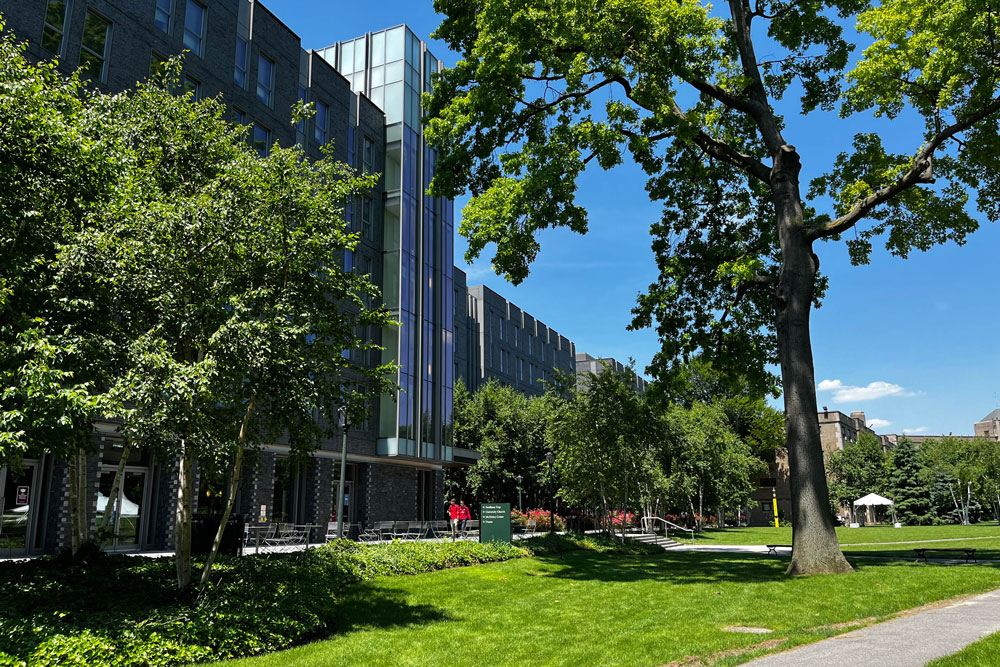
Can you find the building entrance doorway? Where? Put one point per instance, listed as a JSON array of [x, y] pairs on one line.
[[20, 498]]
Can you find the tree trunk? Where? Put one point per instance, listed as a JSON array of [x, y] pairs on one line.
[[77, 499], [182, 521], [116, 484], [815, 549], [233, 490]]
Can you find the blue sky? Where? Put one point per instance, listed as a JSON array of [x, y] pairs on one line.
[[912, 343]]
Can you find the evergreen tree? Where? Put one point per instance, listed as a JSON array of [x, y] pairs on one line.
[[910, 494]]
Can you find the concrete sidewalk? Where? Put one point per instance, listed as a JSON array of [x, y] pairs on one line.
[[909, 641]]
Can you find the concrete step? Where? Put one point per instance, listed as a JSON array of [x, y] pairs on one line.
[[658, 540]]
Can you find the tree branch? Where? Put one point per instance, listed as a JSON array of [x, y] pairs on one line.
[[919, 172], [761, 111]]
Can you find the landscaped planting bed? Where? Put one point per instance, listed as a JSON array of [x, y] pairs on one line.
[[121, 610]]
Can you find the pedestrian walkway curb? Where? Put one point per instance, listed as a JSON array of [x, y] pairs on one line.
[[911, 640]]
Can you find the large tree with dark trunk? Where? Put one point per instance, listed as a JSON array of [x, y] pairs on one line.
[[682, 89]]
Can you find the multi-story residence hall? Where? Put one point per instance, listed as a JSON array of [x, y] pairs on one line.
[[587, 364], [366, 93], [497, 340]]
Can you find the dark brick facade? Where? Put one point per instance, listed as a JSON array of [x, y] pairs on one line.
[[135, 43]]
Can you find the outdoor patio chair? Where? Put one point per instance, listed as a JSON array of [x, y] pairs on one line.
[[472, 528], [385, 530], [400, 529], [440, 529], [529, 527], [369, 534], [417, 530], [331, 531]]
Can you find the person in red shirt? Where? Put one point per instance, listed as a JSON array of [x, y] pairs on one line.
[[463, 517], [454, 512]]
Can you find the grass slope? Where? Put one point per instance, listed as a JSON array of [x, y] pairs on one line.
[[592, 608], [984, 652]]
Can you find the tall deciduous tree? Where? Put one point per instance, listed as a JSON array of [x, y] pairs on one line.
[[684, 91], [56, 341], [228, 271], [508, 429]]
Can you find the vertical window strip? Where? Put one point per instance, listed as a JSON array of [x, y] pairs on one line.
[[94, 47], [242, 57], [55, 26], [265, 79], [194, 27], [261, 139], [161, 15], [320, 122]]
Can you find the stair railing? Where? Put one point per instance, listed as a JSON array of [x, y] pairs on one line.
[[649, 523]]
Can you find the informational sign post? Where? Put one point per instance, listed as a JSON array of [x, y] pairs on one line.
[[494, 522], [22, 495]]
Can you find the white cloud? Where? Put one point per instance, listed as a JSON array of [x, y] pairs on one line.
[[914, 431], [845, 393], [878, 423]]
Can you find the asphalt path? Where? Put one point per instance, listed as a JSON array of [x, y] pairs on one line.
[[911, 640]]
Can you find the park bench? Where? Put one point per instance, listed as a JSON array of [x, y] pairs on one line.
[[969, 553], [773, 548]]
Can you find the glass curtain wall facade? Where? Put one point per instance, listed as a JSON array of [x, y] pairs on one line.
[[392, 68]]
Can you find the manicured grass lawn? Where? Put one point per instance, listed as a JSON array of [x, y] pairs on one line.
[[771, 535], [589, 608], [984, 652]]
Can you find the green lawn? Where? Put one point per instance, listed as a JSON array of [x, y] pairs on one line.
[[984, 652], [588, 608], [765, 535]]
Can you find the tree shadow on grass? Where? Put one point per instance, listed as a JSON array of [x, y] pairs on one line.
[[367, 605], [669, 567]]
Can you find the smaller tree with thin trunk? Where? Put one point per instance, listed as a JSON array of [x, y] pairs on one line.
[[226, 269]]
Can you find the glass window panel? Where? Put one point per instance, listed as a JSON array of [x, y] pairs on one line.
[[194, 27], [347, 58], [261, 139], [240, 72], [394, 72], [192, 86], [55, 26], [161, 17], [157, 64], [358, 85], [414, 51], [265, 79], [378, 97], [393, 103], [391, 236], [378, 48], [359, 54], [390, 280], [378, 76], [394, 44], [93, 47], [320, 122]]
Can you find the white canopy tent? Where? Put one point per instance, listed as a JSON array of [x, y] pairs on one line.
[[875, 500]]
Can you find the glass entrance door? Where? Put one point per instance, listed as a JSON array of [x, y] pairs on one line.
[[17, 511], [126, 507]]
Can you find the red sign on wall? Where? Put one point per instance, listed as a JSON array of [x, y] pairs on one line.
[[22, 495]]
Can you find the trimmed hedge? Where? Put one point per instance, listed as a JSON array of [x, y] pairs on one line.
[[111, 610]]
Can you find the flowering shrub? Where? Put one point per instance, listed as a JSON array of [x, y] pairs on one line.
[[629, 520], [541, 517]]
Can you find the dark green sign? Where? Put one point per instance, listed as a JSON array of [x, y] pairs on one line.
[[494, 522]]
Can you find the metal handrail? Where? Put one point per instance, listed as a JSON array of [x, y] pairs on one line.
[[667, 525]]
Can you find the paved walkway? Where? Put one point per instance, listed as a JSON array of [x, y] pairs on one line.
[[909, 641]]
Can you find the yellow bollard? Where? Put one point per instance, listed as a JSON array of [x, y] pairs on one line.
[[774, 501]]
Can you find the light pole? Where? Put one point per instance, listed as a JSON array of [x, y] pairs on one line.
[[550, 459], [519, 480], [344, 424]]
